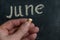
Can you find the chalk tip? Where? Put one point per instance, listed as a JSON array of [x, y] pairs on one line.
[[29, 20]]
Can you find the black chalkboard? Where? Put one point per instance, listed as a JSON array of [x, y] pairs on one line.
[[45, 14]]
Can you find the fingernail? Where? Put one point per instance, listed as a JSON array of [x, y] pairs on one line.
[[35, 35], [27, 23]]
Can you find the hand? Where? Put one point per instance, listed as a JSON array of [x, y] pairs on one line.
[[18, 29]]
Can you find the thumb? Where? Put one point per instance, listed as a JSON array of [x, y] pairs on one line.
[[3, 32], [24, 28]]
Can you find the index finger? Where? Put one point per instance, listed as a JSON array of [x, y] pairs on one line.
[[13, 23]]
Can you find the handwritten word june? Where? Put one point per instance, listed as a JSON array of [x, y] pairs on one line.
[[13, 9]]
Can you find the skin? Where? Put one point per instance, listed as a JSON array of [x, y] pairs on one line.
[[18, 29]]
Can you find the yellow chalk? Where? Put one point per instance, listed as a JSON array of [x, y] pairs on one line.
[[30, 20]]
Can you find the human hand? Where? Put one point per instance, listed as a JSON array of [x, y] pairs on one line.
[[18, 29]]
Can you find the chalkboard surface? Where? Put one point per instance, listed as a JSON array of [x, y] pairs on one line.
[[45, 14]]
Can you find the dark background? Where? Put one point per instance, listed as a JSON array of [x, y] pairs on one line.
[[48, 22]]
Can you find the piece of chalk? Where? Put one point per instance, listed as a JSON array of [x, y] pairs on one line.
[[30, 20]]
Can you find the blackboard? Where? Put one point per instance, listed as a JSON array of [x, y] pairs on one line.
[[45, 14]]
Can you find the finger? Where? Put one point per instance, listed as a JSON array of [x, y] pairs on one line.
[[3, 33], [26, 35], [31, 26], [34, 30], [25, 39], [13, 23], [30, 37], [12, 31], [24, 28]]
